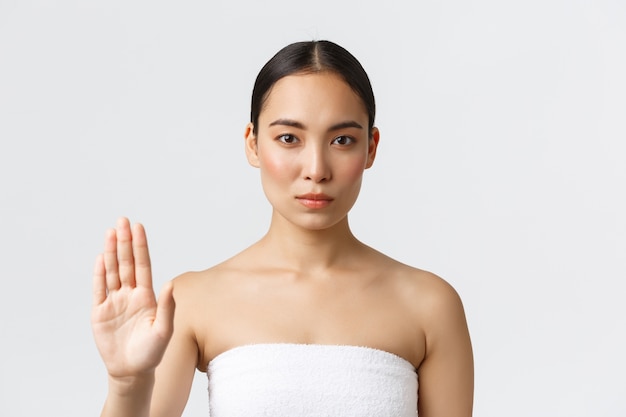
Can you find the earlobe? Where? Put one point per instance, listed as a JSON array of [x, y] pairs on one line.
[[251, 145], [373, 145]]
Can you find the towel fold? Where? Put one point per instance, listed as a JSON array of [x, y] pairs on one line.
[[300, 380]]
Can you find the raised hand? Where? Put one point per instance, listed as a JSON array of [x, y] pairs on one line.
[[130, 328]]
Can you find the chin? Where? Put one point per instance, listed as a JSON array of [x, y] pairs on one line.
[[319, 223], [315, 220]]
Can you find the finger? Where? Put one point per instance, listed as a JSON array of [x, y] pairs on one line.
[[125, 257], [143, 268], [110, 261], [164, 320], [99, 281]]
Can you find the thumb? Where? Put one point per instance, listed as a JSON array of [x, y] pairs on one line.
[[164, 319]]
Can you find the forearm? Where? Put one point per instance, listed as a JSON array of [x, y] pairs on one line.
[[129, 397]]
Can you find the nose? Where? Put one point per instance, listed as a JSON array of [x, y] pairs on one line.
[[316, 166]]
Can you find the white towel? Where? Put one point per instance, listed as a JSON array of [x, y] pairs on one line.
[[300, 380]]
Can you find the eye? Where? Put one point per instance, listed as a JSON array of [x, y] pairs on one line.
[[343, 140], [287, 139]]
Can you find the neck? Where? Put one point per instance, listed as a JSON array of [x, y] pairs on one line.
[[303, 249]]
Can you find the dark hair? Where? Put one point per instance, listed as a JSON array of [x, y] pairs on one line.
[[308, 58]]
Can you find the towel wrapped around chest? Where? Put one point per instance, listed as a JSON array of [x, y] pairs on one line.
[[301, 380]]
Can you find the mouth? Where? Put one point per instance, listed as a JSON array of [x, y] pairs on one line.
[[314, 201], [314, 196]]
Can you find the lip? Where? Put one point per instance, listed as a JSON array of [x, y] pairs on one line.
[[314, 196], [314, 200]]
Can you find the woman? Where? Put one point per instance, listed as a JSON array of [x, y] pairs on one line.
[[308, 320]]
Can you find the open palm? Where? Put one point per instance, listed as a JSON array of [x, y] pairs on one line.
[[130, 328]]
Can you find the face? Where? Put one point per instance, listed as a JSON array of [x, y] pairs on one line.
[[312, 145]]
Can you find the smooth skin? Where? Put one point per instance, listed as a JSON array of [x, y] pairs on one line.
[[308, 280]]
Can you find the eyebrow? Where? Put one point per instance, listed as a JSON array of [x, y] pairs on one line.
[[298, 125]]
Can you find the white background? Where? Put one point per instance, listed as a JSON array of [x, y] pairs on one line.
[[500, 168]]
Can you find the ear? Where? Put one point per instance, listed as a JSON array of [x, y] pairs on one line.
[[373, 145], [251, 146]]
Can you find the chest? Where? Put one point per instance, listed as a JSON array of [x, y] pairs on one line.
[[371, 315]]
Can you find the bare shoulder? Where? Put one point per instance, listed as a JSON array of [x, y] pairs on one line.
[[433, 292], [446, 370], [193, 293], [206, 302], [434, 302], [195, 288], [424, 288]]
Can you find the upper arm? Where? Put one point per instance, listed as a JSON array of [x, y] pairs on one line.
[[175, 373], [446, 375]]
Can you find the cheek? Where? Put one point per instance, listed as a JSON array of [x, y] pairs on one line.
[[352, 170], [274, 167]]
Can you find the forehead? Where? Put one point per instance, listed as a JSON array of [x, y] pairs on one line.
[[316, 97]]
